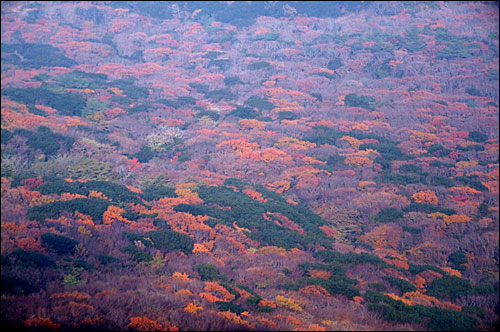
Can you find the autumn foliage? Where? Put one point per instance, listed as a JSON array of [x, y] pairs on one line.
[[249, 165]]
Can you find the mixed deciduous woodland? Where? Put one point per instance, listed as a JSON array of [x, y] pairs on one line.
[[274, 165]]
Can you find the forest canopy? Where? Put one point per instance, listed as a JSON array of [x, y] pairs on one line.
[[250, 165]]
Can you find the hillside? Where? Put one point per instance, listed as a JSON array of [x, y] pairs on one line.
[[276, 165]]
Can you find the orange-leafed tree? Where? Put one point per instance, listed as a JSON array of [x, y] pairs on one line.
[[267, 303], [210, 297], [314, 290], [239, 146], [279, 186], [254, 195], [456, 218], [235, 318], [384, 236], [329, 231], [425, 196], [358, 161], [193, 308], [146, 324], [112, 214], [294, 143], [215, 287], [251, 124], [41, 323]]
